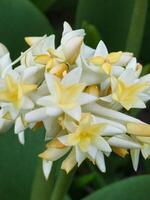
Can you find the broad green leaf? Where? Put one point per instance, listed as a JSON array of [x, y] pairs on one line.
[[135, 188], [18, 164], [43, 5], [138, 19], [20, 18], [111, 18]]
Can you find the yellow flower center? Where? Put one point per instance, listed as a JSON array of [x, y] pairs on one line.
[[14, 91], [67, 96], [53, 62], [126, 95], [85, 133], [106, 62]]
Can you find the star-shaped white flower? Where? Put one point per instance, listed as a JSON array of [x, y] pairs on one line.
[[66, 96]]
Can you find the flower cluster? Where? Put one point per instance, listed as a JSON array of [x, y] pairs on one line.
[[77, 93]]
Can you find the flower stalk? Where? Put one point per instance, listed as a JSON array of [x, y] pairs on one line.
[[62, 185]]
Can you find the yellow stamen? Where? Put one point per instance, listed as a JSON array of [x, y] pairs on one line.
[[126, 95], [14, 91]]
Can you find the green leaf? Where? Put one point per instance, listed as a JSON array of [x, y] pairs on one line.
[[111, 18], [43, 5], [18, 164], [135, 188], [136, 31], [19, 19], [92, 36]]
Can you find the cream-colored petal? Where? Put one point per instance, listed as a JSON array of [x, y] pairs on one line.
[[138, 129], [123, 141], [100, 162], [47, 166], [69, 163], [72, 77], [101, 49], [135, 153]]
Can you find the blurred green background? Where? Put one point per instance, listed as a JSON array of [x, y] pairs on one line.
[[123, 25]]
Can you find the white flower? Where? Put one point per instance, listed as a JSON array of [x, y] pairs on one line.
[[45, 57], [15, 99], [128, 90], [66, 96], [98, 65]]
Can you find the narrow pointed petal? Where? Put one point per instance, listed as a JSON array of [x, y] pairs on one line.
[[135, 154], [72, 77], [100, 161], [69, 163], [101, 49], [47, 166], [123, 141]]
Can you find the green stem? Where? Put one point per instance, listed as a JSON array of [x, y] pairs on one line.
[[41, 188], [136, 31], [62, 185]]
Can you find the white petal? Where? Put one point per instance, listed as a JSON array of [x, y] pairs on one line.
[[100, 162], [86, 52], [111, 122], [27, 103], [63, 139], [80, 157], [72, 77], [47, 166], [101, 49], [92, 151], [86, 98], [52, 127], [102, 144], [36, 115], [145, 150], [128, 76], [135, 153], [33, 75], [53, 111], [75, 113], [117, 70], [19, 126], [70, 125], [21, 137], [3, 50], [44, 101], [103, 111], [132, 64], [67, 28], [51, 83], [125, 58], [111, 130], [123, 141]]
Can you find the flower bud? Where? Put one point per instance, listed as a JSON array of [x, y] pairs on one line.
[[72, 49]]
